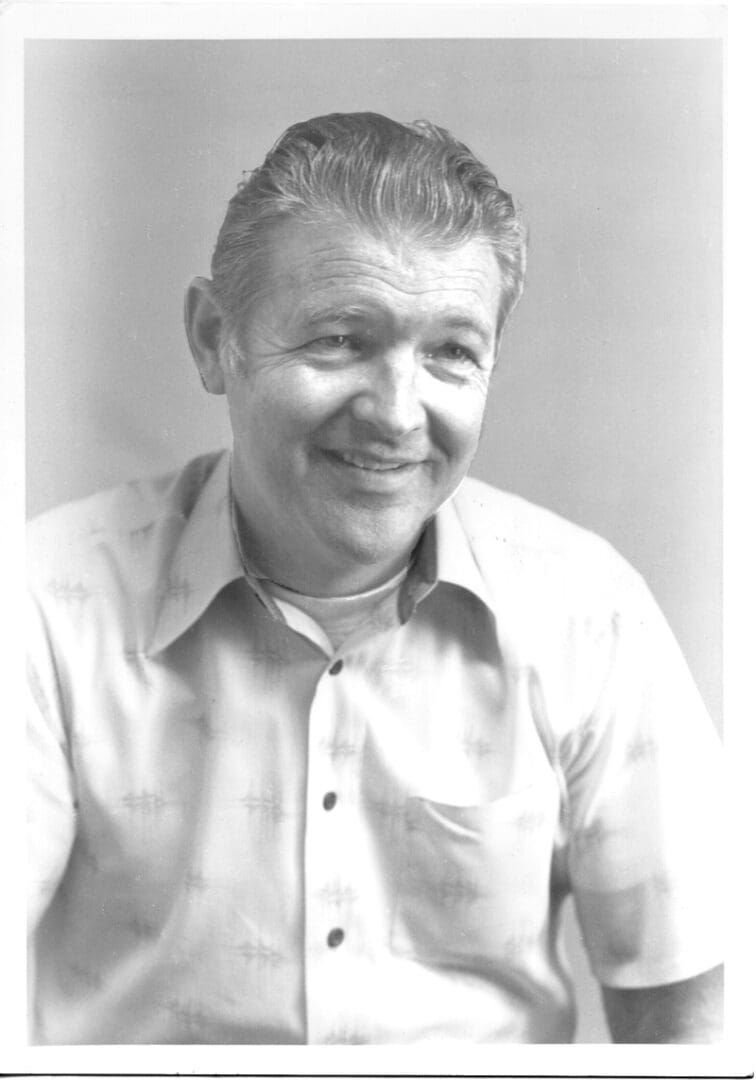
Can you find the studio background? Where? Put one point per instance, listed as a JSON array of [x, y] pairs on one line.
[[607, 404]]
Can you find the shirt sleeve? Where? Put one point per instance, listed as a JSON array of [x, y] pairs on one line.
[[643, 774], [51, 803]]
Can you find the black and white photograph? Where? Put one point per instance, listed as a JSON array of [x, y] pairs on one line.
[[373, 447]]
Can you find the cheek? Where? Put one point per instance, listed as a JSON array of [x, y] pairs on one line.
[[271, 412], [456, 422]]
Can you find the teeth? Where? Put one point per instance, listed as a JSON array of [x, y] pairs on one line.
[[366, 463]]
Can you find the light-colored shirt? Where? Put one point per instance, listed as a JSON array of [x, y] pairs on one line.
[[237, 837]]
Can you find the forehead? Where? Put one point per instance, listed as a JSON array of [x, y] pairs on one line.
[[310, 267]]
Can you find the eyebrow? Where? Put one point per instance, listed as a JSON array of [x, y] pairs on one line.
[[314, 313], [461, 321], [453, 320]]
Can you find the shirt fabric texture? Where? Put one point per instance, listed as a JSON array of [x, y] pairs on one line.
[[239, 835]]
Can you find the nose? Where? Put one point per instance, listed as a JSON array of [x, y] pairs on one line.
[[388, 400]]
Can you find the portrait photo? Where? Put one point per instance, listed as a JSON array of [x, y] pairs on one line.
[[374, 473]]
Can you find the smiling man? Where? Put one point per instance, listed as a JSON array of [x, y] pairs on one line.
[[356, 392], [323, 733]]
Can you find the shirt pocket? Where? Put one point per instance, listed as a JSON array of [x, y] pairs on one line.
[[474, 881]]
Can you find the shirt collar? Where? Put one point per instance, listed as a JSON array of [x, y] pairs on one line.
[[207, 558], [445, 556]]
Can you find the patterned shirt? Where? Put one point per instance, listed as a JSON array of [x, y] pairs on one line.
[[239, 835]]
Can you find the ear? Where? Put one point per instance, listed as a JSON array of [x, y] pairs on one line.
[[203, 320]]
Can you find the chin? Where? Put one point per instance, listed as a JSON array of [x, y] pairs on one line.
[[376, 546]]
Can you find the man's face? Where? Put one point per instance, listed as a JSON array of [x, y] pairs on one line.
[[356, 393]]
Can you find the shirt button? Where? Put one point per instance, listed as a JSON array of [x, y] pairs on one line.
[[329, 800], [336, 667], [335, 937]]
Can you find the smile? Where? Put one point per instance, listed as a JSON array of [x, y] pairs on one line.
[[368, 463]]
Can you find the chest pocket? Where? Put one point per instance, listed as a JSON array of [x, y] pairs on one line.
[[474, 881]]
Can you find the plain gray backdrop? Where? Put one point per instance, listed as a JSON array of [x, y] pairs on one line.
[[607, 403]]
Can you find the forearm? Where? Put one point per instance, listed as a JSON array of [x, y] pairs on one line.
[[690, 1011]]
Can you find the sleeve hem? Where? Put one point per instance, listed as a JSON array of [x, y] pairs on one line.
[[638, 975]]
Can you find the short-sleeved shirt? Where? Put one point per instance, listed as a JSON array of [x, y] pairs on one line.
[[239, 835]]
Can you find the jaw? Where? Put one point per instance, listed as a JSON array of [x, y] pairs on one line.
[[354, 546], [366, 530]]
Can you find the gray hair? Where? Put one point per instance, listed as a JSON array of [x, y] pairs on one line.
[[411, 182]]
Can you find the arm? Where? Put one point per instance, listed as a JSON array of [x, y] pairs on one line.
[[51, 802], [644, 777], [683, 1012]]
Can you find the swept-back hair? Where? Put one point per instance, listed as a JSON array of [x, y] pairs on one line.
[[410, 182]]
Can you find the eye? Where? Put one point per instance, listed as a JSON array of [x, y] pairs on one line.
[[452, 362], [453, 359], [450, 350], [336, 343]]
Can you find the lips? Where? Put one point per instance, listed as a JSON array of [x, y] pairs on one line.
[[372, 462]]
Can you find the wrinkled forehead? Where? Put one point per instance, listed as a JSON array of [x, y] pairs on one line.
[[310, 261]]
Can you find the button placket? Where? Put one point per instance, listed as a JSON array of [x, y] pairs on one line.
[[334, 753]]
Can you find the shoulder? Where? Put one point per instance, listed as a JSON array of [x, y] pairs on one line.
[[523, 529], [514, 517], [568, 608], [98, 565], [536, 559], [111, 518]]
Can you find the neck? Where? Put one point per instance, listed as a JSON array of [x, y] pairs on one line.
[[344, 582]]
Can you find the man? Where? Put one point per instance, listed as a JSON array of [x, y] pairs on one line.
[[323, 734]]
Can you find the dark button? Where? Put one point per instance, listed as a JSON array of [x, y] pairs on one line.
[[336, 667], [329, 800], [335, 937]]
